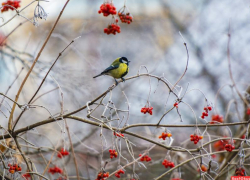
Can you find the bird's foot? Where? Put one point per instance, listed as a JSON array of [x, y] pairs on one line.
[[123, 79], [116, 83]]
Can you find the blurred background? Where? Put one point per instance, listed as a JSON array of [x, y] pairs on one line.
[[152, 39]]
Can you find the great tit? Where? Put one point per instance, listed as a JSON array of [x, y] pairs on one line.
[[118, 69]]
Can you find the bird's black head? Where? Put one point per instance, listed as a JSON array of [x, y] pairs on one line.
[[124, 60]]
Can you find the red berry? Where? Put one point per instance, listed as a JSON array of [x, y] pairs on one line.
[[107, 9], [122, 171], [216, 118]]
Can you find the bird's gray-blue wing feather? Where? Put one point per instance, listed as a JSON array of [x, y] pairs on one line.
[[110, 68], [107, 70]]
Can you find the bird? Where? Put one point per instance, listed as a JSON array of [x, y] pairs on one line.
[[118, 69]]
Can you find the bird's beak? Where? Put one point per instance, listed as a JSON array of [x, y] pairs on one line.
[[129, 61]]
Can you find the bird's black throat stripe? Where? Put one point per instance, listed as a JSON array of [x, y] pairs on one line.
[[124, 74]]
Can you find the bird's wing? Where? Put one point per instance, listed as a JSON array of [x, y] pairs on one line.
[[110, 68]]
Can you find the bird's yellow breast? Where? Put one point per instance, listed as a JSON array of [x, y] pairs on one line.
[[120, 72]]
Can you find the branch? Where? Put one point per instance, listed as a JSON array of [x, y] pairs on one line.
[[73, 151], [31, 68], [185, 44], [44, 80], [184, 125], [230, 70]]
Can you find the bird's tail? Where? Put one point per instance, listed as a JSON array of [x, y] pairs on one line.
[[97, 75]]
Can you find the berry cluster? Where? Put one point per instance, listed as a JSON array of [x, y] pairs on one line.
[[14, 168], [112, 29], [125, 15], [55, 170], [113, 153], [167, 163], [118, 134], [229, 147], [26, 176], [165, 135], [7, 5], [240, 171], [220, 145], [216, 118], [147, 110], [107, 9], [195, 138], [102, 175], [205, 112], [63, 152], [119, 172], [176, 104], [145, 158], [125, 18]]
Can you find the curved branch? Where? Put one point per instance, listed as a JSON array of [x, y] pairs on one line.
[[185, 44], [182, 126]]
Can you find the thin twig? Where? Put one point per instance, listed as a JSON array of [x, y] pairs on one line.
[[15, 123], [185, 44], [32, 66], [11, 85], [230, 70], [73, 151]]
